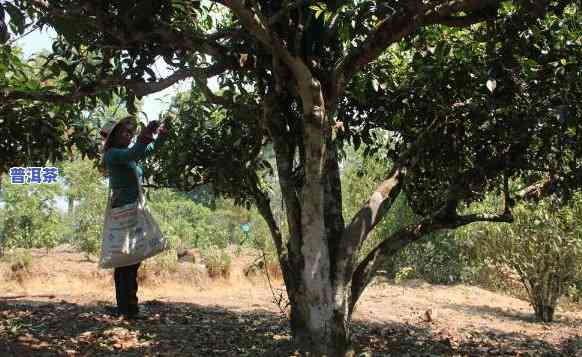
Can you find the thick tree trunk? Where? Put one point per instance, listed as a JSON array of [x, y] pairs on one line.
[[321, 252], [320, 328], [319, 311], [543, 312]]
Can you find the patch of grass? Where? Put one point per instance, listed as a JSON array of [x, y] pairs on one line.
[[158, 268], [19, 263]]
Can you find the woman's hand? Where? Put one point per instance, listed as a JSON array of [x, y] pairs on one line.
[[153, 127], [147, 134]]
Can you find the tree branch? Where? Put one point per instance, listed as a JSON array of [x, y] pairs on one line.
[[536, 190], [200, 76], [284, 149], [139, 87], [142, 88], [333, 212], [161, 34], [285, 10], [364, 222], [226, 33], [458, 21], [364, 273], [477, 12], [264, 207], [202, 83], [261, 32], [390, 30]]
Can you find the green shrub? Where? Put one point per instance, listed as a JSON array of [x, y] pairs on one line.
[[187, 223], [19, 260], [159, 268], [543, 247], [436, 259], [20, 263], [87, 226], [30, 219], [217, 262], [404, 274], [575, 292]]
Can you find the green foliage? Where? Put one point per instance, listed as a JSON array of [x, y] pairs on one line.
[[159, 268], [34, 132], [186, 222], [19, 261], [543, 247], [199, 219], [206, 143], [575, 291], [437, 259], [87, 195], [432, 90], [405, 273], [30, 219]]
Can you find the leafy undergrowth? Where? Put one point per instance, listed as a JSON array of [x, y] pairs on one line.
[[59, 328]]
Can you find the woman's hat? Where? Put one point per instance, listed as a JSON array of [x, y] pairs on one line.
[[106, 132], [109, 128]]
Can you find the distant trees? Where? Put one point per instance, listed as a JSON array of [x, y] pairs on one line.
[[29, 218]]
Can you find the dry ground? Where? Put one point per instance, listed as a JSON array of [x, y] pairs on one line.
[[57, 309]]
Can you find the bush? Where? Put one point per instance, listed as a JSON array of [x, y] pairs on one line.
[[158, 269], [30, 219], [187, 223], [575, 292], [436, 259], [20, 263], [543, 247], [217, 262], [21, 260], [87, 226], [404, 274]]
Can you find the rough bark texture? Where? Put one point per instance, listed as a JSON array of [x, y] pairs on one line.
[[544, 313]]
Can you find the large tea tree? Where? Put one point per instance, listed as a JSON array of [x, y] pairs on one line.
[[290, 73]]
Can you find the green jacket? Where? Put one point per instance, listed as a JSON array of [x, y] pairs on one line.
[[123, 170]]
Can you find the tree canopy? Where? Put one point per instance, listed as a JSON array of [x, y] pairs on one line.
[[471, 94]]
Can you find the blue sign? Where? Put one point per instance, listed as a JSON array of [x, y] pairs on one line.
[[33, 175], [246, 227]]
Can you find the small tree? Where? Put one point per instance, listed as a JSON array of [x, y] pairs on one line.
[[543, 246], [30, 217], [87, 194]]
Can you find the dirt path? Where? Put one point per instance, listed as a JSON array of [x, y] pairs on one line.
[[58, 309]]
